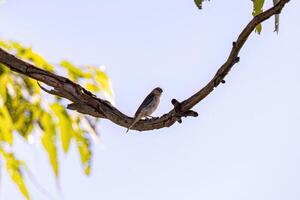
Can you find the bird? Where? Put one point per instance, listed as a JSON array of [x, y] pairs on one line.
[[148, 106]]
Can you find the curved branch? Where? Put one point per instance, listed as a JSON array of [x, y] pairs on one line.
[[85, 102]]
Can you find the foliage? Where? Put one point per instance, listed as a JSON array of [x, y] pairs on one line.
[[257, 9], [199, 3], [23, 113]]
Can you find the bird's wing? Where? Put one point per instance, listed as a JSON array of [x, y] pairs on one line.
[[145, 103]]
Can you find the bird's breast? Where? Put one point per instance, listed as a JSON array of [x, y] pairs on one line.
[[152, 106]]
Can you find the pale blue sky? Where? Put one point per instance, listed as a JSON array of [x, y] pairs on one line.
[[245, 142]]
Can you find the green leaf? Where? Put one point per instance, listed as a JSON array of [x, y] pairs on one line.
[[3, 91], [13, 167], [83, 145], [21, 110], [24, 123], [49, 140], [257, 9], [4, 45], [198, 3], [65, 125], [87, 169], [104, 81], [258, 28], [6, 127], [91, 87], [30, 55], [15, 174], [73, 71]]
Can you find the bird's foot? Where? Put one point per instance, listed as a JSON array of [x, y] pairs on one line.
[[149, 117]]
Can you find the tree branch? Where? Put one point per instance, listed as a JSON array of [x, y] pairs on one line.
[[85, 102]]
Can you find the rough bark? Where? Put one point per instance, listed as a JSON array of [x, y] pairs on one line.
[[85, 102]]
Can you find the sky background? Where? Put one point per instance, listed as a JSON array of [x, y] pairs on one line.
[[245, 142]]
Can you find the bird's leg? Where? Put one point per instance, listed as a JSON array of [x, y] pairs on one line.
[[151, 117]]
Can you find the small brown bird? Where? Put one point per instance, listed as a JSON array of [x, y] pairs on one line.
[[148, 106]]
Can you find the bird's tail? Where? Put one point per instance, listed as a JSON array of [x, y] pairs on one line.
[[135, 120]]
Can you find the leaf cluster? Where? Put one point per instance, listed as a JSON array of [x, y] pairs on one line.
[[24, 113]]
